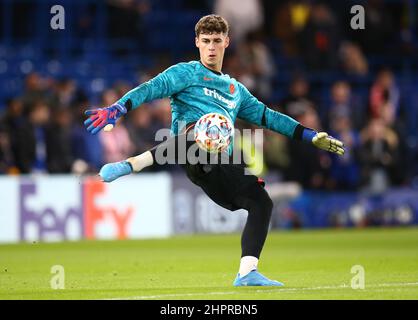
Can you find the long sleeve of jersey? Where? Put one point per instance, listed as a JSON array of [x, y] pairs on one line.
[[253, 111], [165, 84]]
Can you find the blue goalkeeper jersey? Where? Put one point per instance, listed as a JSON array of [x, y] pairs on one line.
[[195, 90]]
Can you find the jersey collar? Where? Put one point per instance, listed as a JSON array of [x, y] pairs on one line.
[[216, 72]]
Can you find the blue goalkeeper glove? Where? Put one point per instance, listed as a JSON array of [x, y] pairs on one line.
[[323, 141], [103, 117]]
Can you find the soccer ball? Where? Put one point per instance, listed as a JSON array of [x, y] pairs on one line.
[[213, 132]]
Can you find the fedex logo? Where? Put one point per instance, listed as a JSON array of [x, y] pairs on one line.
[[214, 94], [69, 208], [58, 209]]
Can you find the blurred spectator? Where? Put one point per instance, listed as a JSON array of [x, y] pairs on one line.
[[233, 66], [308, 165], [243, 17], [121, 88], [87, 148], [35, 89], [7, 161], [59, 152], [345, 169], [379, 154], [343, 103], [31, 139], [289, 20], [109, 97], [65, 94], [297, 98], [299, 13], [142, 129], [117, 144], [320, 38], [258, 64], [385, 105], [276, 156], [161, 110], [384, 97], [352, 59], [11, 122], [13, 117]]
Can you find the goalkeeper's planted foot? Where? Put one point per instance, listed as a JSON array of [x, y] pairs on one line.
[[255, 278], [112, 171]]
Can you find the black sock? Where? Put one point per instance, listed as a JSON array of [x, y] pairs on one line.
[[259, 205]]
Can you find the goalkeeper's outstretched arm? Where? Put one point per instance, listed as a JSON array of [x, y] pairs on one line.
[[165, 84], [253, 111]]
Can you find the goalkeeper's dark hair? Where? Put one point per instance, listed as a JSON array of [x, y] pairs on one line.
[[210, 24]]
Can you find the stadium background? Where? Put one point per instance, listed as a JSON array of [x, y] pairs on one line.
[[299, 57]]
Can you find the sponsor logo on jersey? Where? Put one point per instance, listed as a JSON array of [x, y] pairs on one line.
[[232, 88], [207, 78], [217, 96]]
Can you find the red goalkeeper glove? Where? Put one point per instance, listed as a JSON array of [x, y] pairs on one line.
[[101, 117]]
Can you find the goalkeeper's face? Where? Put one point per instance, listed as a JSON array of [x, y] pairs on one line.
[[212, 49]]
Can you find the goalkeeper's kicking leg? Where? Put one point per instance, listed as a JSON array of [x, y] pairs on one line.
[[111, 171]]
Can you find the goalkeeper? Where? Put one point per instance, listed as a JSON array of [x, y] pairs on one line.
[[197, 88]]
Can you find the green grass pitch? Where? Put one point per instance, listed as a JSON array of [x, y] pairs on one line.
[[312, 264]]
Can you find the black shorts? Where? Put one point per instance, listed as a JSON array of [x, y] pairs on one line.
[[221, 181]]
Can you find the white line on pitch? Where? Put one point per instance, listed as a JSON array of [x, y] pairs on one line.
[[278, 290]]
